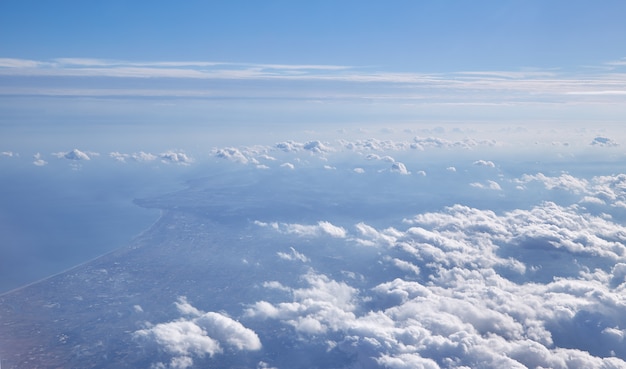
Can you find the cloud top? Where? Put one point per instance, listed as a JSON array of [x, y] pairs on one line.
[[199, 334]]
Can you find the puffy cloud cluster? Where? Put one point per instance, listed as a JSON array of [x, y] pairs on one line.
[[465, 287], [175, 157], [198, 334], [599, 190], [231, 153], [306, 230], [323, 305], [314, 146], [136, 156]]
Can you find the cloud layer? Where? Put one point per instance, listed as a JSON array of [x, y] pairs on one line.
[[466, 287]]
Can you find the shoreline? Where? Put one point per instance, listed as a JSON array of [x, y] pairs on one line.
[[129, 244]]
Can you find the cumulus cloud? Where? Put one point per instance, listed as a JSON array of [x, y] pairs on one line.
[[607, 190], [316, 147], [313, 146], [399, 168], [232, 154], [175, 157], [489, 185], [307, 230], [542, 287], [484, 163], [198, 334], [75, 154], [136, 156], [39, 161]]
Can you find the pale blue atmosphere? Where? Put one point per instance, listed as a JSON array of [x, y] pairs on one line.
[[323, 184]]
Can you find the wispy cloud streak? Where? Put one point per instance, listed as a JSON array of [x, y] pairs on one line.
[[356, 82]]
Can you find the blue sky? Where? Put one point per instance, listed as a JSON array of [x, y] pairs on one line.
[[85, 70], [427, 36]]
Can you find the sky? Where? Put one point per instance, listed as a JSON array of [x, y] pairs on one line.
[[442, 36], [446, 176], [163, 83], [73, 71]]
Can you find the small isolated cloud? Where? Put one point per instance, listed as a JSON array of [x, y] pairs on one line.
[[484, 163], [399, 168], [75, 155], [198, 334], [603, 142], [38, 160], [293, 256], [287, 165], [359, 170], [175, 157], [451, 169], [489, 185], [322, 228], [9, 154]]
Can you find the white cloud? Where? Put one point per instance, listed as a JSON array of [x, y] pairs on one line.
[[399, 168], [293, 255], [316, 147], [231, 153], [39, 160], [359, 170], [199, 334], [542, 287], [484, 163], [489, 185], [136, 156], [322, 228], [175, 157], [75, 154], [289, 146]]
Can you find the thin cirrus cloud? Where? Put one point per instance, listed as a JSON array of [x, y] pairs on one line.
[[512, 86]]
